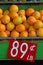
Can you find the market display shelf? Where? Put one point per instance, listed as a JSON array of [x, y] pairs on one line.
[[37, 5], [5, 44]]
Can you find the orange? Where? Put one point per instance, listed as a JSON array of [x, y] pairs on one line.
[[14, 33], [29, 11], [0, 22], [13, 14], [41, 12], [24, 34], [23, 18], [31, 28], [20, 28], [13, 8], [1, 16], [5, 19], [38, 24], [2, 27], [36, 14], [31, 20], [1, 11], [3, 34], [17, 20], [26, 25], [41, 18], [10, 26], [6, 12], [32, 33], [40, 32], [21, 12], [7, 32]]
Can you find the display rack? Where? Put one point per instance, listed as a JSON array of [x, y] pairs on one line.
[[22, 3]]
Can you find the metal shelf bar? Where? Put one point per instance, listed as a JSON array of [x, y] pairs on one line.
[[27, 2], [25, 38]]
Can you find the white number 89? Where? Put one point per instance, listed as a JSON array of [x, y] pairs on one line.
[[16, 48]]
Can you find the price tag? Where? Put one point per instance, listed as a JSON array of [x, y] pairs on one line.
[[22, 50]]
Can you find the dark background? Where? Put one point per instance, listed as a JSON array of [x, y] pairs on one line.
[[20, 62]]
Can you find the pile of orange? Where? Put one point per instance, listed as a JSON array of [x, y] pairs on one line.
[[21, 23]]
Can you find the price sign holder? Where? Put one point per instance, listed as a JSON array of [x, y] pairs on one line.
[[22, 50]]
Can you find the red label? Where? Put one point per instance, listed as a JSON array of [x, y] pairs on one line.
[[22, 50]]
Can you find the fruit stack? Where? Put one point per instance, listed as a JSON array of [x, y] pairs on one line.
[[21, 23]]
